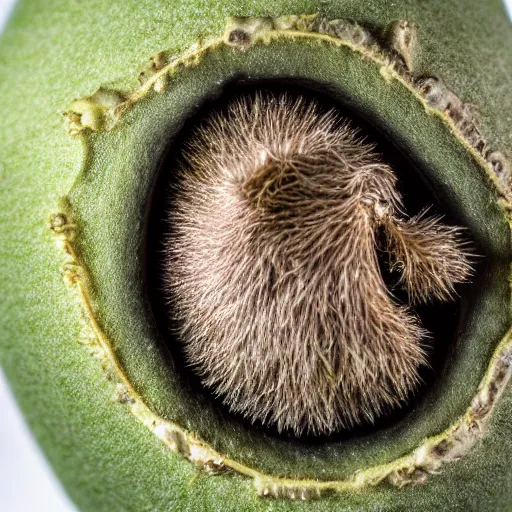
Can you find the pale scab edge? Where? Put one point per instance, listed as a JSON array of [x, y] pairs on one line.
[[105, 108]]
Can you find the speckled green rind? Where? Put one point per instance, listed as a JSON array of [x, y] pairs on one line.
[[105, 457]]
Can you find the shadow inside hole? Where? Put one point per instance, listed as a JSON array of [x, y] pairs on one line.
[[441, 319]]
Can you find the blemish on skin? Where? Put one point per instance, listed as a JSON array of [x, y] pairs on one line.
[[156, 64], [500, 165], [402, 37], [59, 224], [464, 117], [242, 31], [95, 112], [342, 29], [122, 395], [435, 92], [439, 97], [239, 37], [173, 437]]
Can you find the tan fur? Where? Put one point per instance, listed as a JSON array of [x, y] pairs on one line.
[[273, 274]]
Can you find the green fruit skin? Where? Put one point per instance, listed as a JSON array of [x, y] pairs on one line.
[[55, 51]]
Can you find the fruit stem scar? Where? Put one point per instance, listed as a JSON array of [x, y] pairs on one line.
[[104, 109]]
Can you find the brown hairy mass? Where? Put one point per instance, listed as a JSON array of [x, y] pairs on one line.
[[272, 270]]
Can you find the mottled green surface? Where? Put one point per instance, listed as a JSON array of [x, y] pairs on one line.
[[53, 52]]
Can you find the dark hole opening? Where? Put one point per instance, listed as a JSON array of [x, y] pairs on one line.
[[440, 319]]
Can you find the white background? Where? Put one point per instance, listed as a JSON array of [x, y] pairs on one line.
[[26, 481]]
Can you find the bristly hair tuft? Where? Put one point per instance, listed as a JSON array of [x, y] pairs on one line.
[[272, 269]]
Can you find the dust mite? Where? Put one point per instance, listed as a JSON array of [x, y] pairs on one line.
[[272, 269]]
